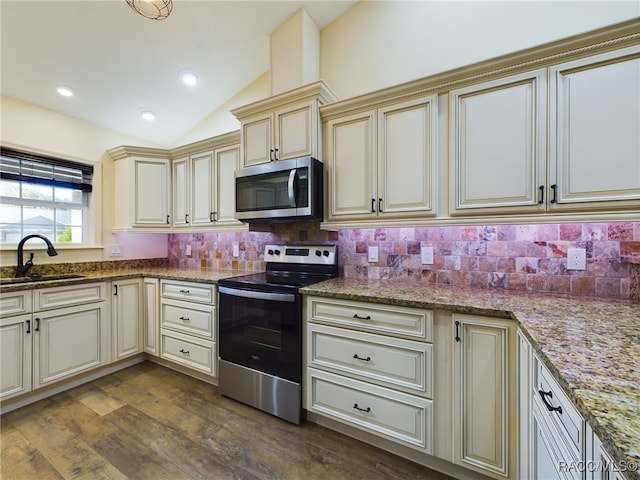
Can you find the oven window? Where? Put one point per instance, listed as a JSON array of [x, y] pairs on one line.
[[265, 335]]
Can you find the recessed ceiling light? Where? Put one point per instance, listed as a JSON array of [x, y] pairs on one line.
[[65, 91], [188, 77], [148, 115]]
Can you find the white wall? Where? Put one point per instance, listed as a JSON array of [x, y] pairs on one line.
[[35, 129], [377, 44]]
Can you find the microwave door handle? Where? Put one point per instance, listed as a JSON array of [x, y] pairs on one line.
[[291, 187]]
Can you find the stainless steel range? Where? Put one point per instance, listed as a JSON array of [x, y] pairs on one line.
[[260, 328]]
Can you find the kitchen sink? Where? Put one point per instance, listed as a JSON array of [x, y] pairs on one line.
[[38, 278]]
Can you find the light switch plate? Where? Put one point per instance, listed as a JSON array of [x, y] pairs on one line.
[[188, 249], [372, 254], [236, 249], [115, 251], [426, 254], [576, 259]]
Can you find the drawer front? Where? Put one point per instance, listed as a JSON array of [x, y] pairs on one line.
[[15, 303], [188, 291], [400, 417], [371, 317], [394, 362], [563, 416], [56, 297], [188, 351], [188, 318]]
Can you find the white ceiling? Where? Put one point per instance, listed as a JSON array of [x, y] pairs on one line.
[[118, 62]]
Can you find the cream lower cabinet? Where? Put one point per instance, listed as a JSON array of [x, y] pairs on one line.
[[127, 318], [381, 163], [70, 331], [371, 366], [16, 332], [188, 325], [151, 315], [484, 395]]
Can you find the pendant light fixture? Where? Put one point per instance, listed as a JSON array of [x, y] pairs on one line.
[[153, 9]]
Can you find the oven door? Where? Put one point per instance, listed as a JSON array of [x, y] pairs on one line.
[[262, 331]]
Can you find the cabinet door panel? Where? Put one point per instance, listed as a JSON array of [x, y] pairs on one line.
[[407, 157], [596, 152], [351, 171], [127, 318], [227, 161], [201, 177], [296, 131], [152, 190], [181, 192], [257, 136], [498, 145], [15, 355], [67, 341], [151, 315]]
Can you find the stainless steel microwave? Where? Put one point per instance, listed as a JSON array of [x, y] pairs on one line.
[[282, 191]]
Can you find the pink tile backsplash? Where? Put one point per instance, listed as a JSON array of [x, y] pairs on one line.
[[512, 257]]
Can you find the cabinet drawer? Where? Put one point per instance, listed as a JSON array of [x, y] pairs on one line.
[[403, 418], [191, 352], [56, 297], [375, 318], [564, 418], [188, 318], [394, 362], [15, 303], [189, 291]]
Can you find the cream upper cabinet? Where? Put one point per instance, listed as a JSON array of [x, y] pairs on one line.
[[142, 189], [484, 395], [289, 132], [382, 163], [497, 148], [594, 132], [204, 188], [283, 126]]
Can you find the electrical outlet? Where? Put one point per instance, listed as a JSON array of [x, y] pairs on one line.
[[426, 254], [576, 259], [115, 251], [188, 249], [236, 249], [372, 254]]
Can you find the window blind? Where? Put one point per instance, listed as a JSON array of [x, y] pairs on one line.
[[28, 167]]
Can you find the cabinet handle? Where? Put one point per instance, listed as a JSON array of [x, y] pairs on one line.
[[355, 355], [380, 205], [28, 326], [373, 205], [212, 216], [186, 292], [167, 219], [550, 407], [457, 331], [366, 410], [37, 329], [115, 290], [184, 319], [186, 218], [541, 197], [184, 352], [355, 315], [276, 155], [554, 189], [271, 155]]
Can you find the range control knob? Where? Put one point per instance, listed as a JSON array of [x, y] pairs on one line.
[[270, 252], [325, 253], [277, 252], [318, 253]]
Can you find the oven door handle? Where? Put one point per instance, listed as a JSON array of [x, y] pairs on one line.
[[278, 297]]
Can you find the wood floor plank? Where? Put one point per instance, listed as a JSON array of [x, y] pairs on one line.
[[21, 459]]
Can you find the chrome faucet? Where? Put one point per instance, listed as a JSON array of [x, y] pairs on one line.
[[22, 269]]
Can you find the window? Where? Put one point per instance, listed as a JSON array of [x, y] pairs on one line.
[[43, 195]]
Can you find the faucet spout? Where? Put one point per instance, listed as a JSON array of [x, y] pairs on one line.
[[22, 268]]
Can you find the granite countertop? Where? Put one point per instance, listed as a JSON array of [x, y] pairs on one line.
[[591, 346]]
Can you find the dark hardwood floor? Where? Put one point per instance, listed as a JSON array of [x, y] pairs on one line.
[[149, 422]]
